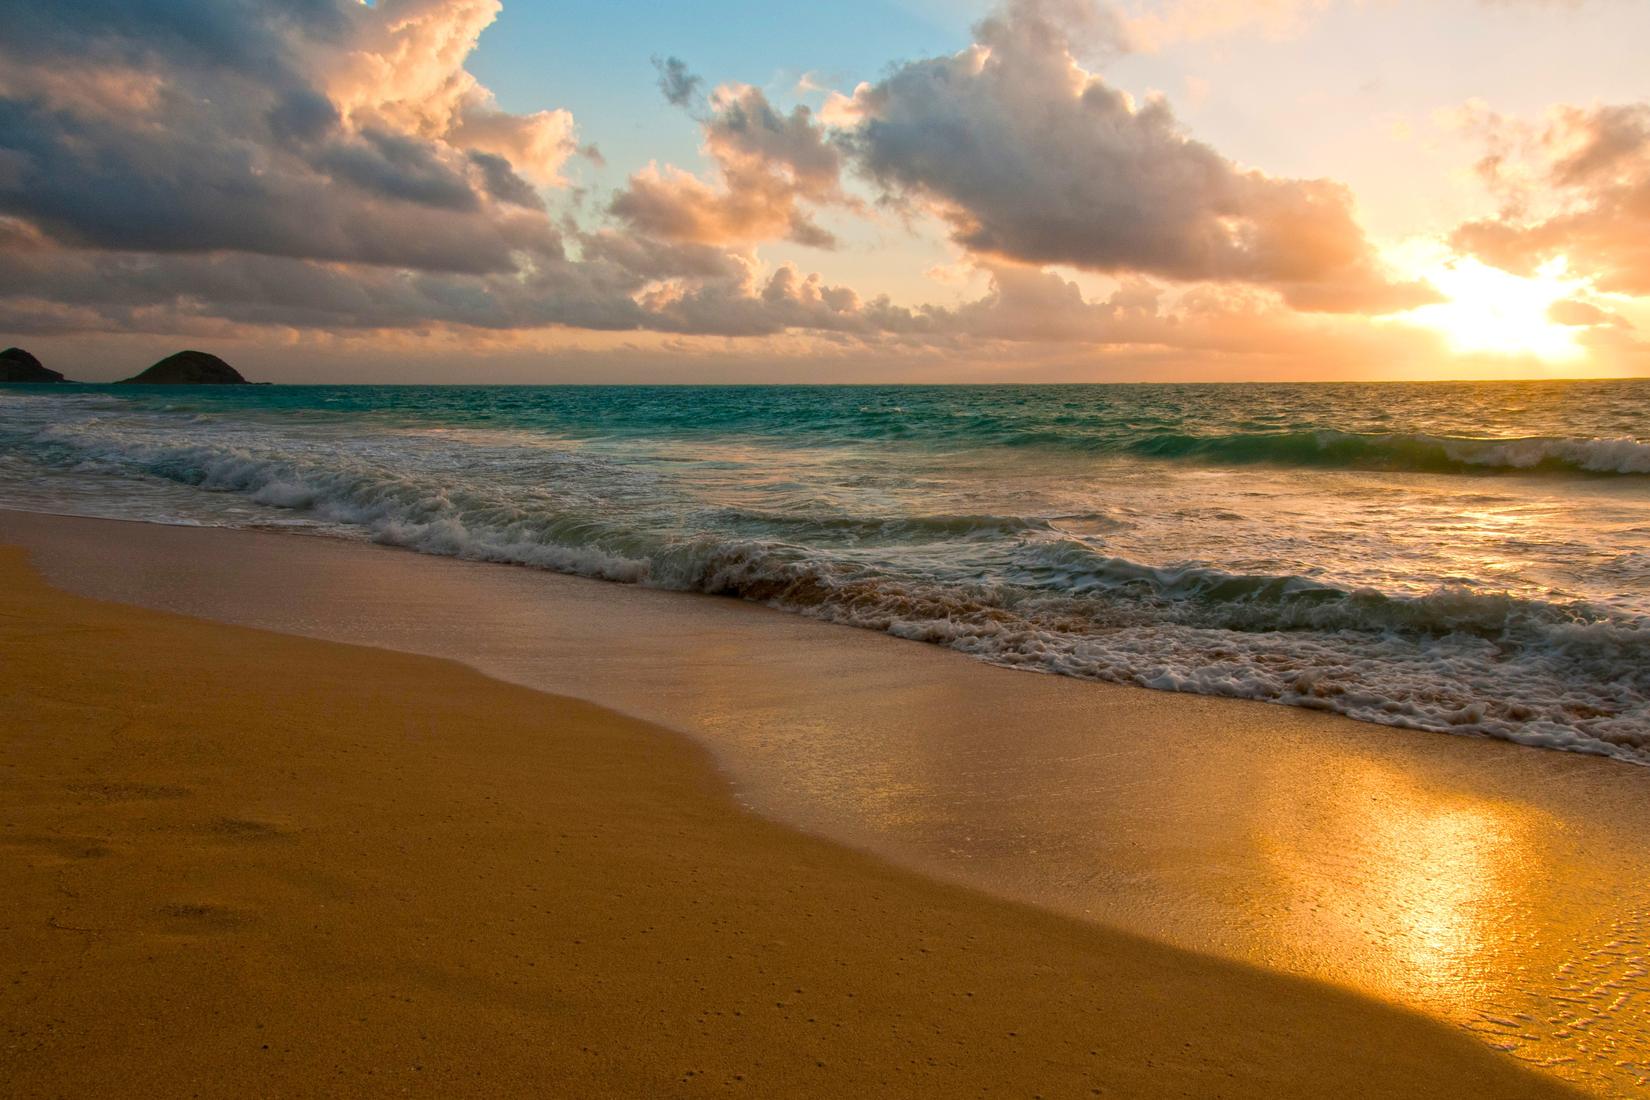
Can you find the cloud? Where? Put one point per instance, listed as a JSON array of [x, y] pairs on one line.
[[1030, 157], [402, 66], [1580, 314], [619, 282], [1576, 185], [325, 166], [679, 86], [251, 37], [310, 129], [1151, 25], [499, 179], [1029, 304], [771, 167]]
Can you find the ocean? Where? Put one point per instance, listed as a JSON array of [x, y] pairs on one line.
[[1468, 558]]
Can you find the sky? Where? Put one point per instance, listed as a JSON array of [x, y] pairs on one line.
[[872, 190]]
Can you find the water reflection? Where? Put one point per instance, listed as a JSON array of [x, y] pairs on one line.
[[1425, 884]]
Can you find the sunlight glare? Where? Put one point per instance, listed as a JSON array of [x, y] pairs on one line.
[[1495, 311]]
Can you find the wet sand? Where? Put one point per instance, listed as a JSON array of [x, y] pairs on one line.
[[239, 862], [1487, 885]]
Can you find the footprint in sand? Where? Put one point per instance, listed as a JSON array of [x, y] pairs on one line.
[[235, 828], [127, 792], [202, 915], [65, 847]]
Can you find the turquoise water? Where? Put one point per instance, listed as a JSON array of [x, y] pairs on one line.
[[1468, 558]]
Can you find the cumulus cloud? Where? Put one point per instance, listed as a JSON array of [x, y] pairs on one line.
[[326, 165], [316, 129], [1030, 157], [771, 168], [402, 66], [1576, 185], [323, 163], [618, 282]]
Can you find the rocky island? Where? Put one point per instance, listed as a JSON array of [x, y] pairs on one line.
[[188, 368], [17, 365]]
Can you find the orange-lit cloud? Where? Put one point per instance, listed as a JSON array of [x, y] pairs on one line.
[[772, 168], [1152, 26], [1576, 185], [331, 172], [1031, 157], [402, 68]]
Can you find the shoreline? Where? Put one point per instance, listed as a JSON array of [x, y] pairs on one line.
[[1476, 881], [321, 869]]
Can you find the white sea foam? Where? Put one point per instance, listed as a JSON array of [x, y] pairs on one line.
[[1600, 456], [1046, 587]]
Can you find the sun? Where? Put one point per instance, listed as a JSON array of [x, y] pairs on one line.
[[1490, 311]]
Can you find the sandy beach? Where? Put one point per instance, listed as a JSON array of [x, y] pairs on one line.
[[1042, 548], [243, 862], [1482, 884]]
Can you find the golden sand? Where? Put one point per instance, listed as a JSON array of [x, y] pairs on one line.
[[236, 862]]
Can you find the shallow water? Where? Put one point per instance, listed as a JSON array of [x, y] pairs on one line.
[[1470, 558]]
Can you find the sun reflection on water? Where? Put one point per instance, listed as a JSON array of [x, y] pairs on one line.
[[1433, 890]]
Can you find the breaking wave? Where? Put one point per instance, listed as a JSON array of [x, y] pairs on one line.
[[1409, 453], [1561, 674]]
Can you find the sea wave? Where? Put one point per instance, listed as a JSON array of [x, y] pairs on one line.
[[1460, 659], [1405, 452], [1564, 675], [836, 526], [1316, 435]]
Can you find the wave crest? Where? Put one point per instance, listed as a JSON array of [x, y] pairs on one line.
[[1405, 452], [1461, 660]]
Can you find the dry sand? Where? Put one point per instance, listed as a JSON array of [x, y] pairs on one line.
[[1495, 887], [237, 863]]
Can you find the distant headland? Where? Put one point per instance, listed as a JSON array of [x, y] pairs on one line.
[[17, 365], [188, 368], [183, 368]]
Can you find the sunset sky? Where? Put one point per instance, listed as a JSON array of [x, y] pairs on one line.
[[874, 190]]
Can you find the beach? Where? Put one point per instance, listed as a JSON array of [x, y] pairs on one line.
[[1023, 548], [1484, 885], [245, 862]]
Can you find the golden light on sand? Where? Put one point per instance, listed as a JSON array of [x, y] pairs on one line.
[[1490, 311]]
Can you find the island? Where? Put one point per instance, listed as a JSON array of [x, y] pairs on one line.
[[17, 365], [188, 368]]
